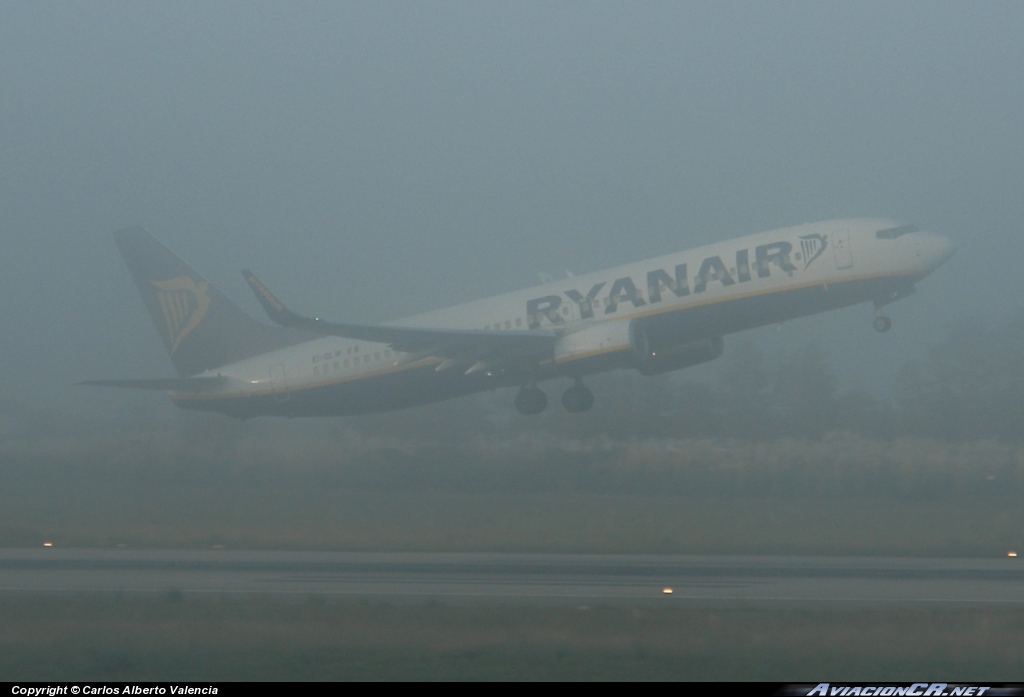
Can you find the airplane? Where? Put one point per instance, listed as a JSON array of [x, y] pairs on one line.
[[653, 316]]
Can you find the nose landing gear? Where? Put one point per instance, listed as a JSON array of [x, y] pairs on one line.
[[881, 323]]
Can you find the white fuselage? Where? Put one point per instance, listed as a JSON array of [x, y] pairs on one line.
[[704, 293]]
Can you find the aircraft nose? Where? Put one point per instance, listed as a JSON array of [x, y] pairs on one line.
[[935, 250], [944, 248]]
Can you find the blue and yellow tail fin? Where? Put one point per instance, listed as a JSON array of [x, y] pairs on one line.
[[200, 327]]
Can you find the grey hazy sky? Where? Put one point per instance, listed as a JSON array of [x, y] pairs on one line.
[[373, 160]]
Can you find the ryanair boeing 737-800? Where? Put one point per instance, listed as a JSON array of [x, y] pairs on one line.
[[654, 316]]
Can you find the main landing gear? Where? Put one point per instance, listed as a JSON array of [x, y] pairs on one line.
[[578, 398], [531, 400]]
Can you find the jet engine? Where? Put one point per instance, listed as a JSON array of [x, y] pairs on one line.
[[659, 346]]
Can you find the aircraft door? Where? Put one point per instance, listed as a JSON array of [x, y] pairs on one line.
[[841, 249]]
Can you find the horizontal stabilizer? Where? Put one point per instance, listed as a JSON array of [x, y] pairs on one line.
[[195, 384], [446, 343]]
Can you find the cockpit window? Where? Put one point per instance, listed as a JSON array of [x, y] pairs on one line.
[[894, 232]]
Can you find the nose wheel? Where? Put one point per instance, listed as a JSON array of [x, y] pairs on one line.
[[881, 323], [531, 400], [578, 398]]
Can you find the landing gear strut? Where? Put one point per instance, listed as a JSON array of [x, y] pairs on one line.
[[578, 398], [881, 322], [531, 400]]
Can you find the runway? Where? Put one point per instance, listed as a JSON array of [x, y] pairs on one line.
[[479, 578]]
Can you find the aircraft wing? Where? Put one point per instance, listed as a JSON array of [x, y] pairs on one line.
[[454, 344]]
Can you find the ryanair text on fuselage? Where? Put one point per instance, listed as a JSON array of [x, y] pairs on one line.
[[659, 281]]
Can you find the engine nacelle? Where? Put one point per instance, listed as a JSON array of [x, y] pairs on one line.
[[593, 339], [660, 347]]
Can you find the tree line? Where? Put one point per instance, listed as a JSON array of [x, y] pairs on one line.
[[968, 387]]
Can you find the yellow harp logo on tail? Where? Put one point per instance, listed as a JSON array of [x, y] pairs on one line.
[[184, 303]]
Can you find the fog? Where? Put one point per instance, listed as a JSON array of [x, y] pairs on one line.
[[373, 160], [376, 160]]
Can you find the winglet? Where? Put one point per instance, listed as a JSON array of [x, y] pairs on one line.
[[275, 309]]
